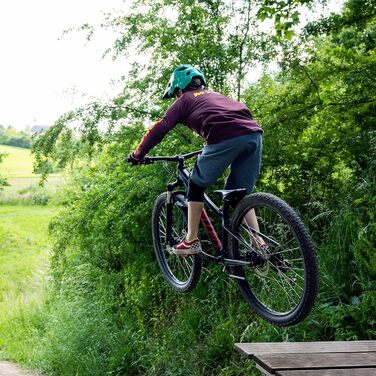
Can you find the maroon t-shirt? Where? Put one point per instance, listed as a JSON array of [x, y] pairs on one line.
[[212, 115]]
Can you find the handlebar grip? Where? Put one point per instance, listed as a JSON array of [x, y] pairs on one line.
[[145, 160]]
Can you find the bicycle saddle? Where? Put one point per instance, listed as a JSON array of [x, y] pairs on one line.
[[232, 196]]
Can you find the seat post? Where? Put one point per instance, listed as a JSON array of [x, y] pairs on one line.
[[226, 211], [230, 197], [225, 222]]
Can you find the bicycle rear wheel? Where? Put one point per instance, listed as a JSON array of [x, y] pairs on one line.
[[281, 282], [182, 273]]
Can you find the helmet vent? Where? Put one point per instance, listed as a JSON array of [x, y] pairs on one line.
[[188, 73]]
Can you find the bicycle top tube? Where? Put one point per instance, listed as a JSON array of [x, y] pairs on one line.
[[174, 158]]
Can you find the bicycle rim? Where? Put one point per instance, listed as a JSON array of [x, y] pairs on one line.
[[281, 283], [182, 273]]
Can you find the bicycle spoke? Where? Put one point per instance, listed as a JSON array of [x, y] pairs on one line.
[[286, 250], [269, 288], [182, 266], [285, 287], [290, 300], [280, 269], [288, 282]]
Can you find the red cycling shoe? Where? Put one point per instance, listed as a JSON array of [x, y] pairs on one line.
[[185, 248]]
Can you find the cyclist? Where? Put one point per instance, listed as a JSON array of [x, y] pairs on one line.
[[233, 138]]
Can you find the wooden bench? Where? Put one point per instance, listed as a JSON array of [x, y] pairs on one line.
[[340, 358]]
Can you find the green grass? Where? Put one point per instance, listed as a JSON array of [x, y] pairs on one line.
[[24, 265], [17, 168], [18, 163]]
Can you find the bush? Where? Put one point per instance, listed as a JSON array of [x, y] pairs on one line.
[[12, 137], [29, 195]]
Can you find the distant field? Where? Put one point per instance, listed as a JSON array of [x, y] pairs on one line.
[[17, 167], [18, 163], [24, 265], [25, 213]]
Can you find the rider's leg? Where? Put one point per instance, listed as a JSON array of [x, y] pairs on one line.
[[244, 173], [191, 244], [209, 166], [195, 198], [194, 217], [252, 222]]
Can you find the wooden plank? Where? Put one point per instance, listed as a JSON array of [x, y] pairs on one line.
[[274, 362], [330, 372], [250, 349]]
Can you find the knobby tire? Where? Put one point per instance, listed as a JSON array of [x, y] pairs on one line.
[[282, 284], [182, 273]]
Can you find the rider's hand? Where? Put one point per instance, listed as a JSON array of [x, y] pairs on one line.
[[133, 160]]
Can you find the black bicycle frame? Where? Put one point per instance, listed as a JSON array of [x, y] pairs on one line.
[[182, 181]]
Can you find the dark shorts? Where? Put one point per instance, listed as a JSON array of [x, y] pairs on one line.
[[242, 154]]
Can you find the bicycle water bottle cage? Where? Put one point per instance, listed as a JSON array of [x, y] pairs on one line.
[[231, 196]]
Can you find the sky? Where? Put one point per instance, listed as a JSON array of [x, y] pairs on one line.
[[44, 74]]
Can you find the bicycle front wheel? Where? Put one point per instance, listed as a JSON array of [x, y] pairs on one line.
[[281, 280], [169, 224]]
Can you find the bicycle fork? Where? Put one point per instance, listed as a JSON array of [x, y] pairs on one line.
[[169, 206]]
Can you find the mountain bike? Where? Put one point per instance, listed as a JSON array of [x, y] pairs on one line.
[[273, 263]]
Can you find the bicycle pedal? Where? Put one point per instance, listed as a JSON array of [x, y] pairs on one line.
[[170, 250]]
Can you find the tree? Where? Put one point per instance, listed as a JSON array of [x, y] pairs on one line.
[[3, 181], [13, 137], [223, 37], [319, 119]]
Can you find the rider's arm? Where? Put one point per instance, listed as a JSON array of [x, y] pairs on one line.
[[174, 115]]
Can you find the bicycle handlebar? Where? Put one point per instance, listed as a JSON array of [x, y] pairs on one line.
[[173, 158], [170, 158]]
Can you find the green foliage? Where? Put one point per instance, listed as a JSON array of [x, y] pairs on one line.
[[285, 14], [37, 195], [319, 121], [326, 107], [3, 181], [12, 137], [223, 37], [24, 268], [21, 186], [357, 13]]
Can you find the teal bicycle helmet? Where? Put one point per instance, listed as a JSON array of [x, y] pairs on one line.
[[181, 77]]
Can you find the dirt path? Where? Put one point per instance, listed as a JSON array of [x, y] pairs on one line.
[[9, 369]]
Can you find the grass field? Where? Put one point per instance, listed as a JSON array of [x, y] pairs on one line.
[[24, 253], [18, 163], [24, 265], [23, 187]]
